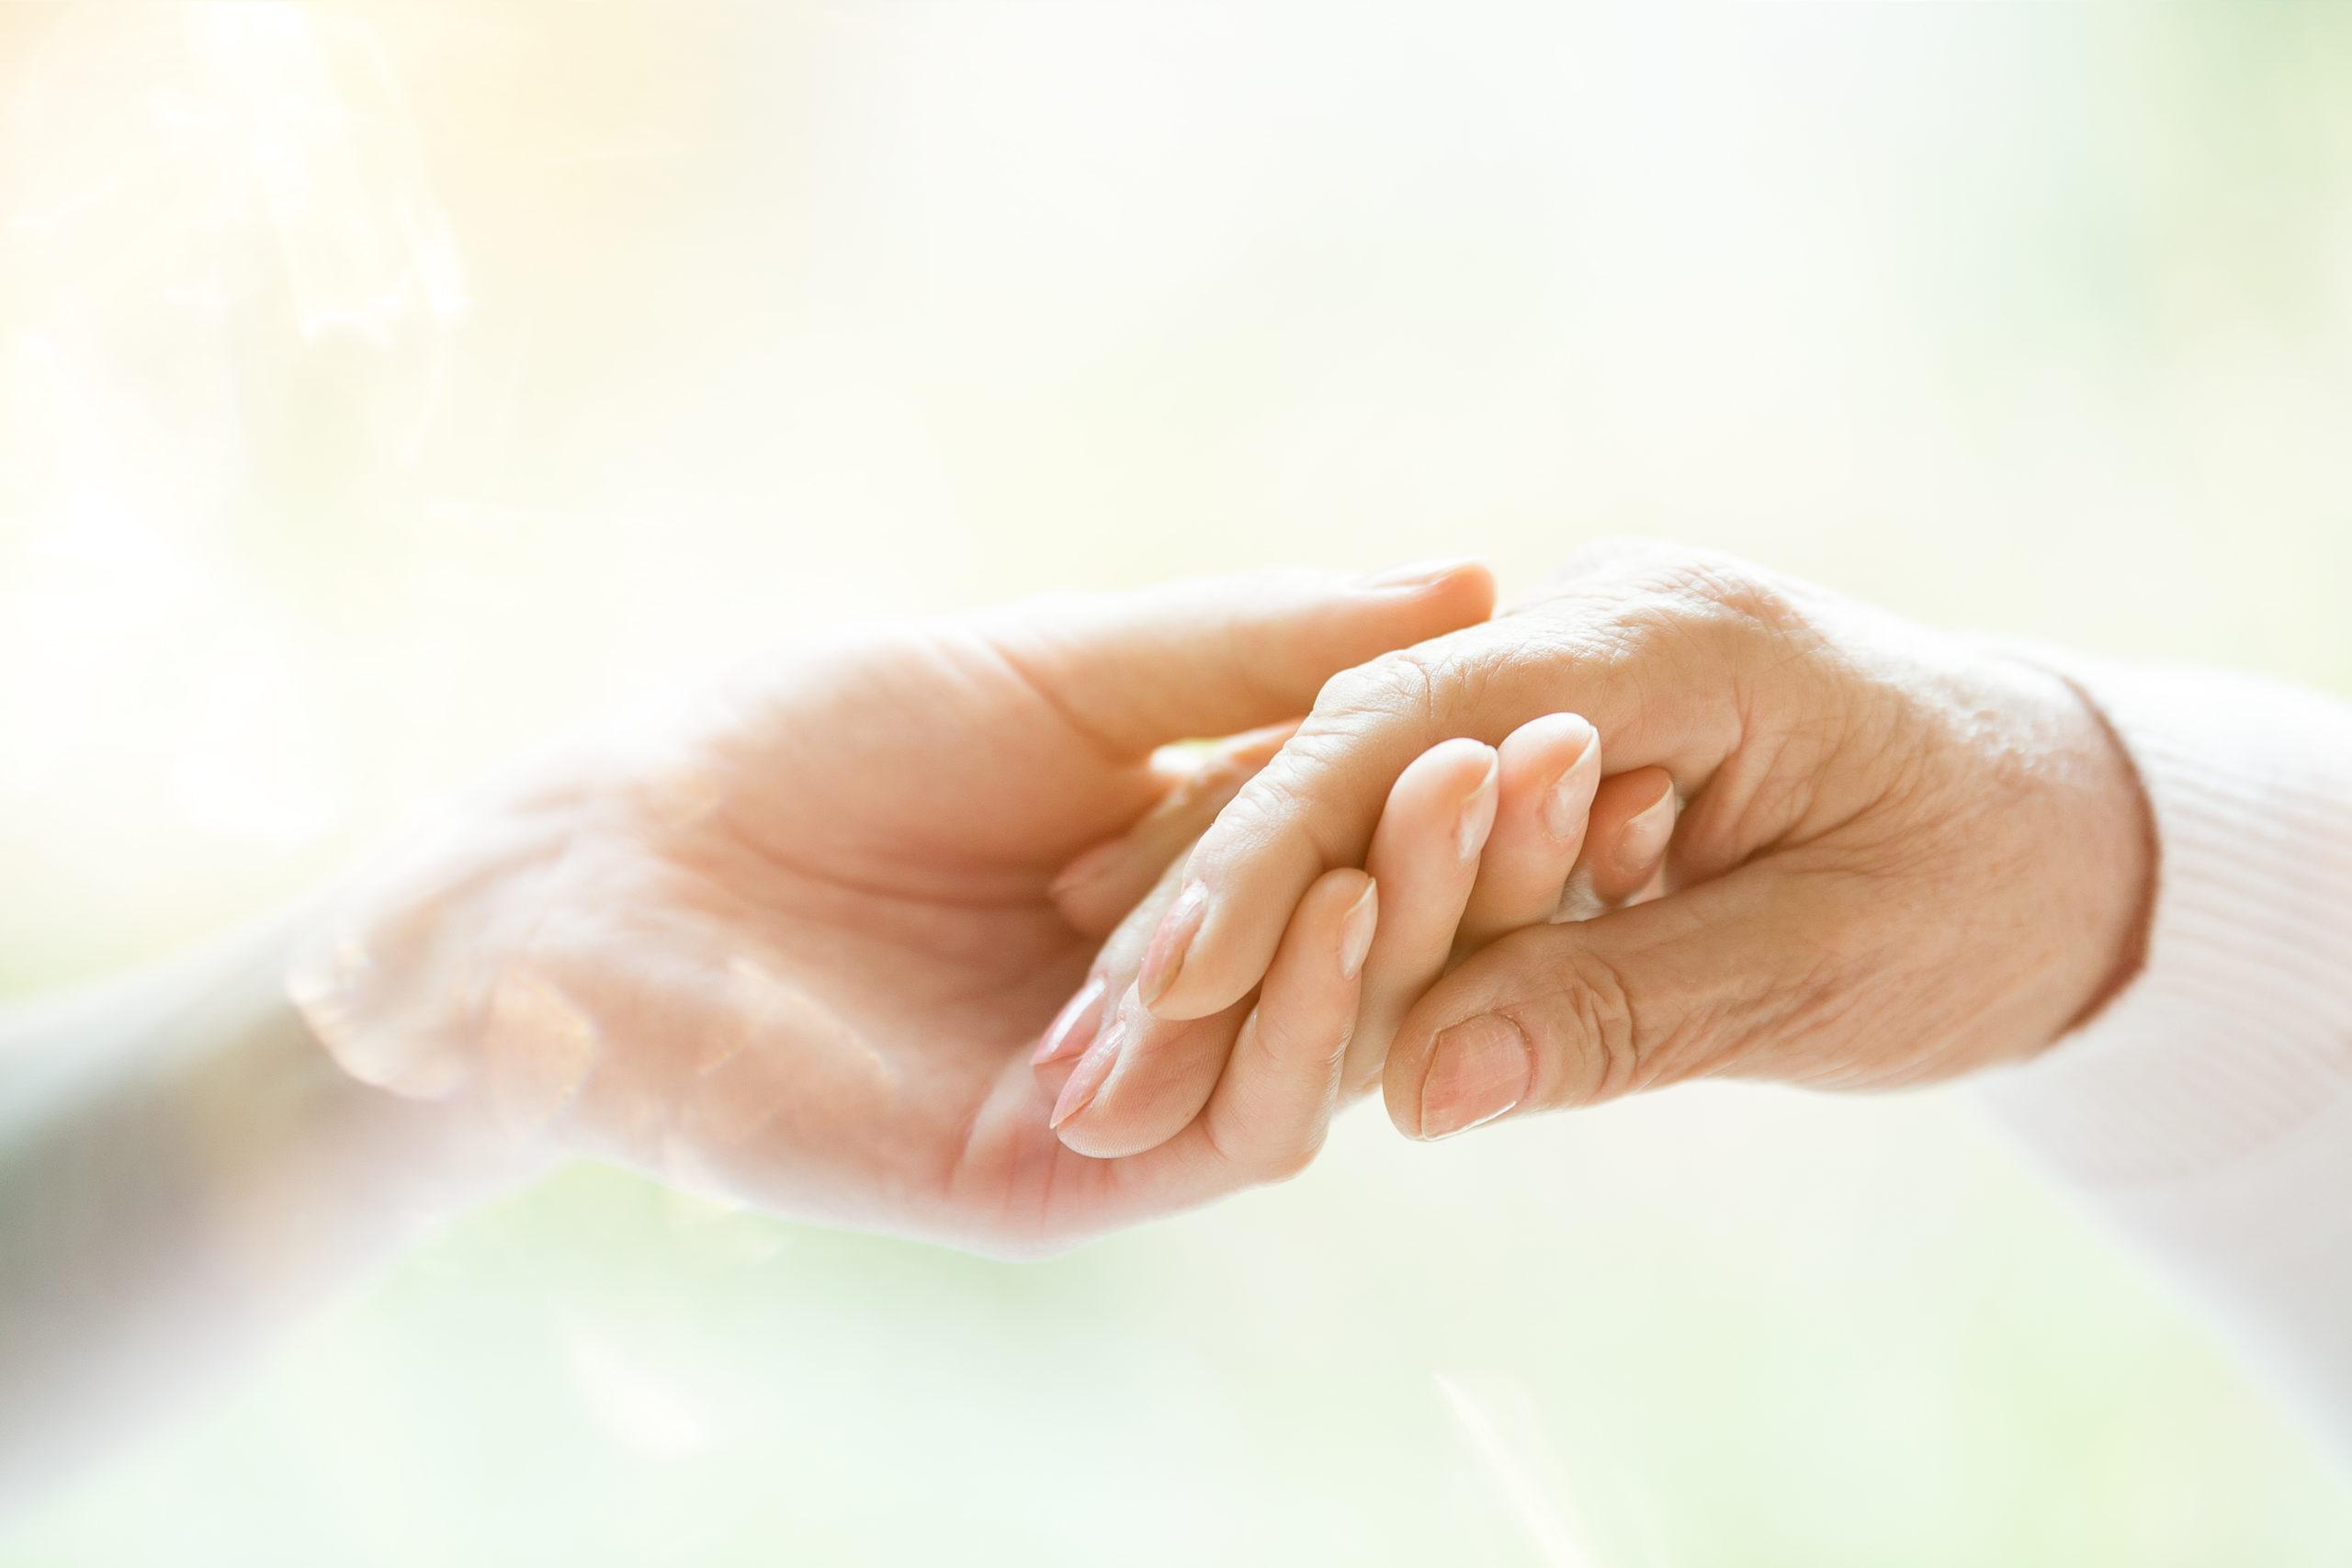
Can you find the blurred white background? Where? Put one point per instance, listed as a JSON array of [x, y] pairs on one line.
[[383, 388]]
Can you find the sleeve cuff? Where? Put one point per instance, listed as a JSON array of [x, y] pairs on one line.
[[2206, 1112], [2237, 1032]]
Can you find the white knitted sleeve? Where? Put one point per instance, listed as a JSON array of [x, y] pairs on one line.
[[2207, 1111]]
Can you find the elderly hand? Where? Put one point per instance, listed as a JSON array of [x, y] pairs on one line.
[[1903, 854], [798, 942]]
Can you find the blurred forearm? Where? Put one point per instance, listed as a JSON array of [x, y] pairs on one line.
[[181, 1169]]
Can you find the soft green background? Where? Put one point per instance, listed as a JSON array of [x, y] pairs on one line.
[[382, 388]]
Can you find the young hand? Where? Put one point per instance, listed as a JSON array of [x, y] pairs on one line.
[[1473, 841], [794, 942]]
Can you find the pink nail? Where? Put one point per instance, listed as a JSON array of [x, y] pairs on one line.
[[1087, 1078], [1568, 802], [1647, 834], [1479, 1069], [1355, 932], [1478, 819], [1073, 1027], [1165, 958]]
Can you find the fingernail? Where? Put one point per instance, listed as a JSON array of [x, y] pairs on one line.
[[1421, 574], [1478, 819], [1165, 958], [1073, 1027], [1645, 835], [1569, 800], [1087, 867], [1479, 1069], [1355, 931], [1087, 1078]]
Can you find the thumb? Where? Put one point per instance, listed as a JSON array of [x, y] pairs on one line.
[[1213, 656], [1710, 979]]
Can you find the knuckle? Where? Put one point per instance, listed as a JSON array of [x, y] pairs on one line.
[[1753, 604], [1728, 594], [1283, 805], [1596, 1007], [1674, 586], [1680, 619], [1401, 685], [1431, 685], [1293, 1052], [1266, 1164], [1616, 1043], [1298, 1050], [1257, 813]]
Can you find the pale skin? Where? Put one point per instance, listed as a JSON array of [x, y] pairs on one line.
[[802, 942], [1473, 841], [1903, 855], [796, 942], [793, 942], [759, 951]]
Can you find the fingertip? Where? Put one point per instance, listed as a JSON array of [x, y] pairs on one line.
[[1634, 817], [1172, 942], [1565, 736], [1336, 920], [1206, 984], [1447, 794], [1566, 775], [1359, 921], [1451, 770], [1557, 754], [1477, 820], [1466, 579], [1421, 602], [1549, 769], [1244, 909], [1470, 587], [1075, 1027], [1127, 1091]]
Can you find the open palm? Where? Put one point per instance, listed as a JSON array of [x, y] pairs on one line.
[[795, 940]]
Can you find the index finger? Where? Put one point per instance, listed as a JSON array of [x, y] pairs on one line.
[[1274, 1100], [1314, 805]]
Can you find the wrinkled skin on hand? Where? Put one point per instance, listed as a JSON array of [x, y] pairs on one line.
[[1903, 854], [794, 941]]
